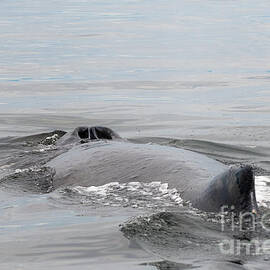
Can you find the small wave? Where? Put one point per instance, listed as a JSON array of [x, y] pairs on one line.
[[175, 235], [33, 179], [133, 194]]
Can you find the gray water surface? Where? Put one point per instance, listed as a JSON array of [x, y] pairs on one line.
[[192, 74]]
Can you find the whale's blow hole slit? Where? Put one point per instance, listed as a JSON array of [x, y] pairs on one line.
[[83, 133], [102, 133], [95, 133]]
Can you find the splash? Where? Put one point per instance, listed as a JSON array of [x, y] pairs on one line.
[[133, 194]]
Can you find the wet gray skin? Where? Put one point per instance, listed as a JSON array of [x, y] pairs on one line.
[[98, 155]]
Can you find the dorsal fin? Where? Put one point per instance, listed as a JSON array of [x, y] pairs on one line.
[[233, 189]]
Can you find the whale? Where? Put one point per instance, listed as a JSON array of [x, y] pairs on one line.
[[98, 155]]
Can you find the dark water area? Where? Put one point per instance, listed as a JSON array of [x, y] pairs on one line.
[[185, 74]]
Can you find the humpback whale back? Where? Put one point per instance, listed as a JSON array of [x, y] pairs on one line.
[[98, 156]]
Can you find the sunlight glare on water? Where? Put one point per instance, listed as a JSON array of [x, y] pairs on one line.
[[263, 190]]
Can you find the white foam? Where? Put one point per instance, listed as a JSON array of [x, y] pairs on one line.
[[53, 137], [263, 190], [43, 148], [21, 170], [30, 169], [153, 194], [133, 194]]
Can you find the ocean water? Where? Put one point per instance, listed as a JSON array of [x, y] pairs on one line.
[[191, 74]]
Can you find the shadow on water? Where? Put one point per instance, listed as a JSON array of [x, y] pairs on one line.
[[168, 265], [163, 265]]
